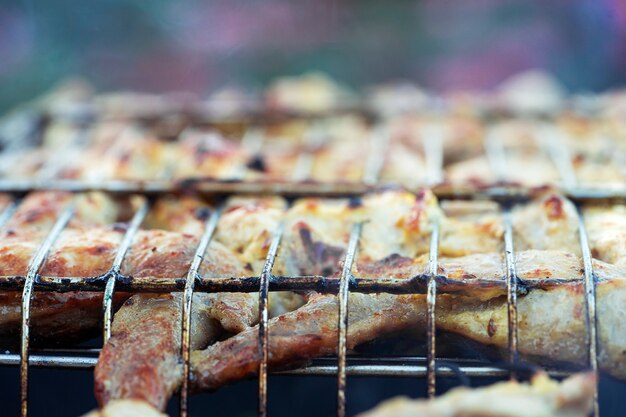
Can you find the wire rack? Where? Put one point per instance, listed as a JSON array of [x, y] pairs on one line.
[[432, 283]]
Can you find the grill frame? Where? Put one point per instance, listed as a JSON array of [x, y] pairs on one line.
[[430, 283]]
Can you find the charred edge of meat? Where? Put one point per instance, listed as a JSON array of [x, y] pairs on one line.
[[324, 258]]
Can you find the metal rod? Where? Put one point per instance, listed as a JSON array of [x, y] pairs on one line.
[[397, 367], [252, 140], [552, 140], [346, 277], [309, 188], [379, 144], [415, 285], [511, 281], [496, 155], [314, 138], [33, 269], [113, 274], [590, 304], [8, 212], [432, 141], [205, 240], [431, 300], [265, 278]]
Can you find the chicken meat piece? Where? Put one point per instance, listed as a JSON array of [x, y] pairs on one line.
[[149, 326], [606, 228], [311, 331], [405, 221]]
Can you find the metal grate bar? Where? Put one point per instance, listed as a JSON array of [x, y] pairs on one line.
[[113, 274], [252, 140], [380, 138], [496, 155], [411, 367], [265, 278], [512, 290], [431, 299], [317, 189], [552, 140], [192, 274], [590, 303], [346, 277], [7, 213], [314, 139], [33, 269], [415, 285], [433, 150]]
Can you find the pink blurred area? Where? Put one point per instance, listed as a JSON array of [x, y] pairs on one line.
[[202, 46]]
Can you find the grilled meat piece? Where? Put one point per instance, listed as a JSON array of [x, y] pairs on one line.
[[307, 332], [545, 332], [141, 360], [311, 331], [87, 248], [395, 242], [404, 225], [542, 397], [606, 227]]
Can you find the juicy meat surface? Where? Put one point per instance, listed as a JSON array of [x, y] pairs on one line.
[[307, 332], [86, 248], [141, 360], [311, 331]]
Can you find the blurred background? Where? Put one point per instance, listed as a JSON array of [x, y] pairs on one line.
[[202, 45]]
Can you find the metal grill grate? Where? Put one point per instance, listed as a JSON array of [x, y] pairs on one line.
[[430, 283], [254, 141]]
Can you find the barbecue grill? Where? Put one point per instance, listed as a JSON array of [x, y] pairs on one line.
[[432, 283]]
